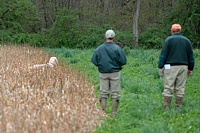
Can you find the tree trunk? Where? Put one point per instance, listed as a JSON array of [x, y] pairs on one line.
[[173, 4], [135, 22], [44, 10]]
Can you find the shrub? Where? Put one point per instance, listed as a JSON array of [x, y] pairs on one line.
[[152, 38]]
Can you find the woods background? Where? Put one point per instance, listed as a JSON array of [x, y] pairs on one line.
[[82, 23]]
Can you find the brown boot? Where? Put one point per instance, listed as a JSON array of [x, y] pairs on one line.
[[179, 101], [103, 104], [115, 103], [167, 102]]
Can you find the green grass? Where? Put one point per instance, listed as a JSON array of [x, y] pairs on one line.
[[140, 109]]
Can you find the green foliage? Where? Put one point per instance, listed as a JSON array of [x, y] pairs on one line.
[[26, 15], [48, 24], [20, 38], [5, 36], [126, 50], [187, 14], [19, 15], [91, 36], [124, 38], [69, 32], [38, 40], [17, 19], [140, 108], [152, 38]]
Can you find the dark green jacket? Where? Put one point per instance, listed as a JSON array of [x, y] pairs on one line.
[[109, 58], [177, 50]]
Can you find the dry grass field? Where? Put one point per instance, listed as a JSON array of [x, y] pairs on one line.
[[43, 100]]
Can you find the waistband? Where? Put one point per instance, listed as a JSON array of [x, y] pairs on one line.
[[177, 64]]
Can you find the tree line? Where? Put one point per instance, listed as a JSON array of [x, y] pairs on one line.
[[82, 23]]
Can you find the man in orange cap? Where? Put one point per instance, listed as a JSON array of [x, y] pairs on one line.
[[176, 62]]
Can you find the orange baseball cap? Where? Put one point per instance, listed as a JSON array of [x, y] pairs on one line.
[[176, 27]]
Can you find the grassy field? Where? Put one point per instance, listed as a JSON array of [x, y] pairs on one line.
[[140, 109]]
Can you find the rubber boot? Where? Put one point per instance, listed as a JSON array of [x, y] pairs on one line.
[[167, 102], [115, 103], [103, 104], [179, 101]]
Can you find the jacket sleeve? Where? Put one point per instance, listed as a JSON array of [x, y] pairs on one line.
[[163, 55], [94, 58], [122, 58], [191, 59]]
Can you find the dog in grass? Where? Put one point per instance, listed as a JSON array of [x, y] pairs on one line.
[[52, 62]]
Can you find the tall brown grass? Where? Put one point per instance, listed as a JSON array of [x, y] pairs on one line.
[[57, 100]]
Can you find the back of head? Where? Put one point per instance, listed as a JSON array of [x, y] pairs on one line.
[[53, 60], [176, 28], [110, 34]]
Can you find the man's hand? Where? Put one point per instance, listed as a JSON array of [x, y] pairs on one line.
[[189, 72], [160, 72]]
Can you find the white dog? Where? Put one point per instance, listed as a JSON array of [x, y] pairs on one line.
[[52, 62]]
